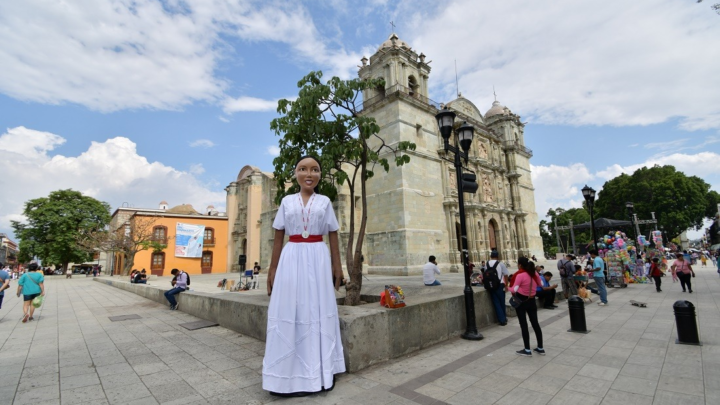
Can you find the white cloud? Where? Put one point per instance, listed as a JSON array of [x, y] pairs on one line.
[[110, 171], [569, 62], [233, 105], [273, 150], [559, 186], [197, 169], [223, 119], [202, 143], [111, 55]]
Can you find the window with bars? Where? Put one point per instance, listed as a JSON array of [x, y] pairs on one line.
[[209, 236], [160, 234]]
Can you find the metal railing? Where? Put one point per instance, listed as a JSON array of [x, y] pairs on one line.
[[509, 145]]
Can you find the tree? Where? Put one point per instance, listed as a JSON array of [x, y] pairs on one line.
[[54, 223], [326, 120], [546, 236], [563, 217], [715, 6], [678, 201], [131, 237]]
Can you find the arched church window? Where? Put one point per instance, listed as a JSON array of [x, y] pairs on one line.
[[412, 85]]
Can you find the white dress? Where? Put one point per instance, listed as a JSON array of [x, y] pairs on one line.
[[303, 349]]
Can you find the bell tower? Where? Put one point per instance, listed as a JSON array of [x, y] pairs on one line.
[[400, 66]]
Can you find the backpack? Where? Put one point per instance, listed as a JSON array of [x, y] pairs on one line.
[[491, 281], [564, 270]]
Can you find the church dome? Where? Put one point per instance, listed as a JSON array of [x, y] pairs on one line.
[[497, 109], [398, 42], [185, 209], [163, 202]]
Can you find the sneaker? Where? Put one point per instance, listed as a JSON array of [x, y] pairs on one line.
[[523, 352], [602, 304], [539, 351]]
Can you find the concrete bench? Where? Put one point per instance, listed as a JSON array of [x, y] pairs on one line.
[[371, 334]]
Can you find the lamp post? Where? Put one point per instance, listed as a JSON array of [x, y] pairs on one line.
[[464, 135], [631, 207], [589, 194]]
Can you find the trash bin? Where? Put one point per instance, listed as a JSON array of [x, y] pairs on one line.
[[686, 321], [576, 306]]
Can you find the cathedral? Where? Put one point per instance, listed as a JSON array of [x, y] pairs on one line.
[[413, 209]]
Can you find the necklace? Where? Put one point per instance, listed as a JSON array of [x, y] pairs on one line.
[[306, 222]]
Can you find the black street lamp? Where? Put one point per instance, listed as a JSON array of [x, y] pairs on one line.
[[631, 210], [589, 194], [446, 119]]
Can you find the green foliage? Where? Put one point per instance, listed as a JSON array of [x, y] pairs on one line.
[[563, 216], [546, 236], [678, 201], [325, 121], [54, 224]]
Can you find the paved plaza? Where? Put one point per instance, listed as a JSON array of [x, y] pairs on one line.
[[74, 354]]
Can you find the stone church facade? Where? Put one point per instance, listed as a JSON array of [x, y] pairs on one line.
[[413, 209]]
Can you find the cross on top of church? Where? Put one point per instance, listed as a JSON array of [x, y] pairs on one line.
[[392, 24]]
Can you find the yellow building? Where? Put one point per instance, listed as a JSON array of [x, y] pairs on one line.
[[160, 225], [250, 195]]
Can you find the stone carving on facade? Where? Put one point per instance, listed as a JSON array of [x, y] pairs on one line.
[[482, 151], [452, 179], [488, 195]]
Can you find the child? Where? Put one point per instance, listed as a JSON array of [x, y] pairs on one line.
[[303, 350]]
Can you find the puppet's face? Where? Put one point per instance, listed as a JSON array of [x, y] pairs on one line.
[[307, 173]]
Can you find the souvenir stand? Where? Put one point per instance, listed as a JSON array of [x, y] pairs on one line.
[[620, 258], [658, 251]]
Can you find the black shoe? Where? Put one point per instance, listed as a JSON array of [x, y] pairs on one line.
[[690, 291], [555, 306], [539, 351], [549, 307], [523, 352], [503, 323], [684, 291]]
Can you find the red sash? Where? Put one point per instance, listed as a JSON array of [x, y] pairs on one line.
[[309, 239]]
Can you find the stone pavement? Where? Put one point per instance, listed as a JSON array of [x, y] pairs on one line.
[[73, 354]]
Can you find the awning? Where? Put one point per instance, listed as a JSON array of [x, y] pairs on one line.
[[604, 223]]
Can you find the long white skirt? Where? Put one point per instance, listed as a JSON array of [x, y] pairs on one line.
[[303, 349]]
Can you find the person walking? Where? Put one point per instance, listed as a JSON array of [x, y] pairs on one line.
[[656, 273], [4, 283], [566, 268], [523, 291], [429, 271], [684, 271], [303, 348], [495, 281], [31, 285], [180, 284], [599, 276]]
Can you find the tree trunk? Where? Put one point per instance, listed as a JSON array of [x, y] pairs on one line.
[[354, 253], [129, 263]]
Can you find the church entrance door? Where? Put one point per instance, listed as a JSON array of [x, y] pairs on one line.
[[492, 235]]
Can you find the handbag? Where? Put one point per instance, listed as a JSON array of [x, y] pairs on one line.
[[514, 303]]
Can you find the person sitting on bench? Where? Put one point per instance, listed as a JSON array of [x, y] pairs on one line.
[[547, 291]]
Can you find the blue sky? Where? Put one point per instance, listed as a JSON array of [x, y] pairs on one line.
[[140, 101]]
